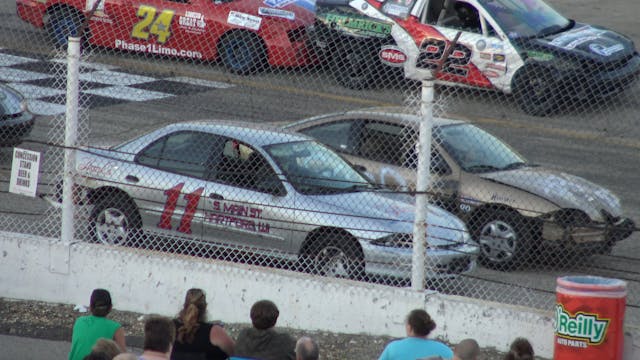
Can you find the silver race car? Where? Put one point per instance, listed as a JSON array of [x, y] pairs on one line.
[[261, 191], [513, 208]]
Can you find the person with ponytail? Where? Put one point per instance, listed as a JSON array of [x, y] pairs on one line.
[[196, 338], [520, 349], [416, 345]]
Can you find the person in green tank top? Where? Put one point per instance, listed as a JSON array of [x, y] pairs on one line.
[[88, 329]]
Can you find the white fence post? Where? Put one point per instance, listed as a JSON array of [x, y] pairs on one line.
[[70, 139]]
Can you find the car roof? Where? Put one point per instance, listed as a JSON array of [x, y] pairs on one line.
[[256, 134], [393, 114]]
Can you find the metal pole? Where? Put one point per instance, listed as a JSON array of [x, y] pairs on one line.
[[419, 262], [70, 139]]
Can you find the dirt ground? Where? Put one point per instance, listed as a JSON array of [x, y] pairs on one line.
[[54, 322]]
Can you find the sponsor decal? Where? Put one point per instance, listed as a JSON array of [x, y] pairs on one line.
[[278, 3], [581, 329], [396, 10], [606, 51], [499, 57], [392, 55], [501, 198], [244, 20], [364, 6], [490, 74], [156, 49], [238, 216], [481, 45], [95, 168], [485, 56], [363, 26], [497, 46], [539, 55], [574, 38], [498, 67], [265, 11], [193, 22]]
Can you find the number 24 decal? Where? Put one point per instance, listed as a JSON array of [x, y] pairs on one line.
[[158, 25]]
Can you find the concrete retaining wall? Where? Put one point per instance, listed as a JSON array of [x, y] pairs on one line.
[[149, 282]]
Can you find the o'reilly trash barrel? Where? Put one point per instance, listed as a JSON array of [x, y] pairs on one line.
[[589, 318]]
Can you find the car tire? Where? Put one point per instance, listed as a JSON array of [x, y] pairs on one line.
[[501, 236], [115, 221], [242, 52], [535, 90], [336, 257], [353, 64], [62, 23]]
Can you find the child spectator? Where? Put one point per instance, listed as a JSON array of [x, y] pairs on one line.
[[88, 329]]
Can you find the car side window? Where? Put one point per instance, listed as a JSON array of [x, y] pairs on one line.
[[383, 142], [438, 165], [460, 15], [336, 135], [242, 166], [185, 152]]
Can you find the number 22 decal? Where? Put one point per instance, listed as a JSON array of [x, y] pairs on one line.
[[173, 195], [159, 25]]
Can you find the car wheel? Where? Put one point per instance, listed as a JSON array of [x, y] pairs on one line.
[[115, 221], [337, 258], [62, 24], [502, 242], [535, 90], [242, 52], [353, 64]]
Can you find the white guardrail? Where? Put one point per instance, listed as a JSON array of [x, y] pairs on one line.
[[45, 269]]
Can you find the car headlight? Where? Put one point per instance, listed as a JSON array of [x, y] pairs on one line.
[[404, 241]]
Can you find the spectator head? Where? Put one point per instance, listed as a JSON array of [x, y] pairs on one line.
[[520, 349], [100, 302], [107, 347], [466, 349], [126, 356], [193, 311], [159, 334], [419, 323], [264, 314], [307, 349]]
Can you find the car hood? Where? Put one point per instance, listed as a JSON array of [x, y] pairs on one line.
[[375, 211], [585, 41], [562, 189]]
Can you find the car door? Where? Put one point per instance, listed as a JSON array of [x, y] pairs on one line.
[[482, 55], [170, 173], [246, 203], [163, 27]]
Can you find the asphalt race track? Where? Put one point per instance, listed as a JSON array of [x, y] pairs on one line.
[[602, 146]]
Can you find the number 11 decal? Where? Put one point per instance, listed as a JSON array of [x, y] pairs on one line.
[[173, 195]]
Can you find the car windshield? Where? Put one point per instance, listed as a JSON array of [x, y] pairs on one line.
[[314, 169], [475, 150], [525, 18]]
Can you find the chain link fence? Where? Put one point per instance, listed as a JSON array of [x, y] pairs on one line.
[[214, 105]]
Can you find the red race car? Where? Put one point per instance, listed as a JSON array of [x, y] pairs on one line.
[[244, 34]]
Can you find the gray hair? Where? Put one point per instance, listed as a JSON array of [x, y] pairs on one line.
[[307, 349]]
